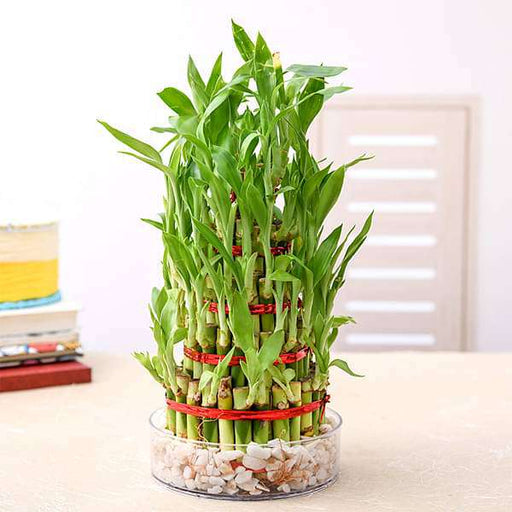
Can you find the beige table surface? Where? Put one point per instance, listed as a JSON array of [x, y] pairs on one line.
[[422, 432]]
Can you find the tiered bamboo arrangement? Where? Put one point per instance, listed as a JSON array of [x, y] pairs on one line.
[[243, 223]]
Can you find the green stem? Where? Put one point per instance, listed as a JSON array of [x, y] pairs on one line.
[[225, 402], [210, 426], [243, 434], [306, 420], [183, 380], [261, 428], [280, 428], [316, 414], [193, 422], [296, 387], [266, 297], [236, 371], [171, 413]]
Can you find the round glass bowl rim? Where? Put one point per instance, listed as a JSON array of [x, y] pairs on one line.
[[330, 413]]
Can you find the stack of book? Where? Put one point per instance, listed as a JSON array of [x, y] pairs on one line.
[[44, 334], [39, 339]]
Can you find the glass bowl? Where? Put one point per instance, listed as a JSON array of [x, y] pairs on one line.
[[277, 469]]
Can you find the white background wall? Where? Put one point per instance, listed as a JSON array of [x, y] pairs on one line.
[[65, 63]]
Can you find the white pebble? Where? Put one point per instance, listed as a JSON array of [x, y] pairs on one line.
[[191, 484], [248, 486], [262, 487], [284, 488], [258, 451], [215, 490], [188, 473], [243, 477], [226, 469], [217, 480], [278, 453], [202, 459], [253, 462], [230, 455]]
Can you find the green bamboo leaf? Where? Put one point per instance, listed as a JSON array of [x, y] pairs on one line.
[[342, 365], [282, 276], [137, 145], [145, 360], [331, 91], [248, 146], [222, 367], [338, 321], [271, 349], [310, 190], [179, 335], [310, 107], [242, 41], [361, 158], [205, 379], [227, 167], [241, 323], [332, 337], [330, 191], [263, 71], [323, 257], [258, 206], [153, 163], [154, 223], [177, 101], [215, 77], [356, 244], [214, 240], [197, 85], [315, 71], [159, 300]]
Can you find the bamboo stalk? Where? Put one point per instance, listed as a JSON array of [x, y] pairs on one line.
[[316, 414], [181, 397], [210, 430], [209, 295], [266, 297], [296, 387], [193, 422], [306, 420], [243, 431], [170, 414], [207, 343], [223, 343], [225, 401], [261, 429], [253, 299], [280, 428], [236, 372]]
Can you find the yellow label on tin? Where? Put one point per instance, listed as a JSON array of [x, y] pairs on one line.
[[22, 280]]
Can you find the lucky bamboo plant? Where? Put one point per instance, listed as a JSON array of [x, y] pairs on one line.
[[247, 272]]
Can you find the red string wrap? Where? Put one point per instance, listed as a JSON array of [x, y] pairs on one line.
[[237, 250], [215, 359], [254, 309], [270, 415]]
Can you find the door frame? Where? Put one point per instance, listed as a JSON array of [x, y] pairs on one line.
[[471, 106]]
